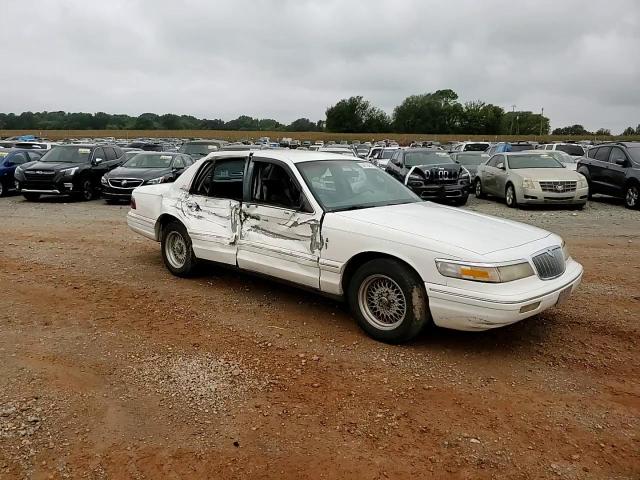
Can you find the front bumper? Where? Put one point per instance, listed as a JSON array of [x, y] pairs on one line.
[[469, 310], [61, 187], [538, 197], [111, 193]]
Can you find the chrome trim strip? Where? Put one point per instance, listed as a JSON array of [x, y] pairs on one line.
[[506, 302], [39, 191]]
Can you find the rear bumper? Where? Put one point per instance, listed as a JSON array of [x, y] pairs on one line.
[[462, 310], [141, 225]]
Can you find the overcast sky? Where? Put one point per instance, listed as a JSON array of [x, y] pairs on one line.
[[285, 59]]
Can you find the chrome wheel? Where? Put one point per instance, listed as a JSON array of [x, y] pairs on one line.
[[478, 188], [1, 189], [382, 302], [631, 198], [176, 250], [510, 196]]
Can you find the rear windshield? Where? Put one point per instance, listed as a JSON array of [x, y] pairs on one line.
[[386, 154], [68, 154], [533, 161], [575, 150], [519, 147], [413, 159], [476, 147], [198, 148], [144, 160]]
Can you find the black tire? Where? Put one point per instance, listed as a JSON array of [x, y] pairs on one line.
[[86, 191], [479, 191], [112, 201], [632, 196], [3, 189], [172, 254], [409, 303], [31, 197], [510, 198]]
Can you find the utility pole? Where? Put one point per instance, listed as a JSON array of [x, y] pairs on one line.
[[513, 110], [541, 119]]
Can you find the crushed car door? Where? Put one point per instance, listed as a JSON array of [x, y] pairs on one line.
[[211, 209], [280, 231]]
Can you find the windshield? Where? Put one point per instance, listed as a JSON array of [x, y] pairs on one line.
[[476, 147], [67, 154], [471, 159], [144, 160], [533, 161], [413, 159], [387, 154], [347, 185], [564, 157], [198, 148], [519, 147], [575, 150]]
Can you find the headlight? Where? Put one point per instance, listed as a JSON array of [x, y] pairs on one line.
[[68, 172], [484, 273], [582, 182], [19, 169], [464, 173], [155, 181], [528, 183], [565, 251], [103, 181], [414, 181]]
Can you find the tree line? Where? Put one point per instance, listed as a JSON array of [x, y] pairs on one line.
[[438, 112]]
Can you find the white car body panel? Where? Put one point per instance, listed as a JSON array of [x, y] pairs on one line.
[[313, 249]]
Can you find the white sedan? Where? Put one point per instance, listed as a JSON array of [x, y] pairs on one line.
[[347, 229]]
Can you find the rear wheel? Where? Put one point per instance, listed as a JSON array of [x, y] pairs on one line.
[[632, 196], [510, 196], [3, 189], [388, 300], [478, 189], [177, 251], [31, 197]]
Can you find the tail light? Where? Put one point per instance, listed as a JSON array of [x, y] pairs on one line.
[[133, 203]]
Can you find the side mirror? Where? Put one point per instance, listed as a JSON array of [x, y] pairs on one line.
[[97, 161], [500, 166]]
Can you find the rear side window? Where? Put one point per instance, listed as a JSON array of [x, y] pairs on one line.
[[603, 154], [202, 183], [575, 150], [227, 179]]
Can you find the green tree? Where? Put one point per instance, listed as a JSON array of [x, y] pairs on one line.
[[603, 131], [571, 130], [628, 132], [356, 115], [301, 125], [437, 112], [524, 123]]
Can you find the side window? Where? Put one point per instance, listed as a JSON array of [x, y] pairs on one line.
[[548, 147], [272, 185], [98, 153], [227, 179], [202, 183], [109, 153], [118, 151], [617, 154], [493, 162], [19, 158], [592, 152], [33, 156], [177, 162], [187, 160], [603, 154]]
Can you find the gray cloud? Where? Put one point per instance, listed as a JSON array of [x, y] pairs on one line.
[[289, 58]]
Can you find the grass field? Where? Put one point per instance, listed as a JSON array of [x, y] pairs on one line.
[[243, 135]]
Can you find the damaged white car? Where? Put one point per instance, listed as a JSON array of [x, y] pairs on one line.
[[347, 229]]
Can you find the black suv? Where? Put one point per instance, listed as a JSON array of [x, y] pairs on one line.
[[73, 170], [614, 169], [431, 174]]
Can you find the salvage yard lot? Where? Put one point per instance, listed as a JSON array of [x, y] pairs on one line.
[[112, 368]]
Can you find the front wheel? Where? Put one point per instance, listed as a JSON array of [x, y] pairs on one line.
[[177, 252], [632, 196], [87, 192], [388, 300], [510, 197], [3, 189], [478, 189]]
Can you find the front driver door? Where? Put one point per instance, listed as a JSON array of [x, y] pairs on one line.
[[501, 176], [211, 209], [280, 231]]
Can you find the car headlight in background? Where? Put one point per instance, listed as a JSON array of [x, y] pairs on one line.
[[484, 273], [103, 181], [69, 172], [19, 169], [155, 181], [582, 182], [528, 183]]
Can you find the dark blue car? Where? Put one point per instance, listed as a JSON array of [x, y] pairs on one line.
[[10, 158]]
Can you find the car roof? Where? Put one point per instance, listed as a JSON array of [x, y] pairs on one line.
[[285, 155], [10, 149]]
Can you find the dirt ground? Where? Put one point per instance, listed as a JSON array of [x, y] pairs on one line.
[[112, 368]]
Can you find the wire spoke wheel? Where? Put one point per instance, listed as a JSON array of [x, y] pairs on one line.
[[382, 302], [631, 198], [176, 249]]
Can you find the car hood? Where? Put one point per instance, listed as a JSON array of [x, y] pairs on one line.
[[50, 166], [143, 173], [547, 173], [474, 232]]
